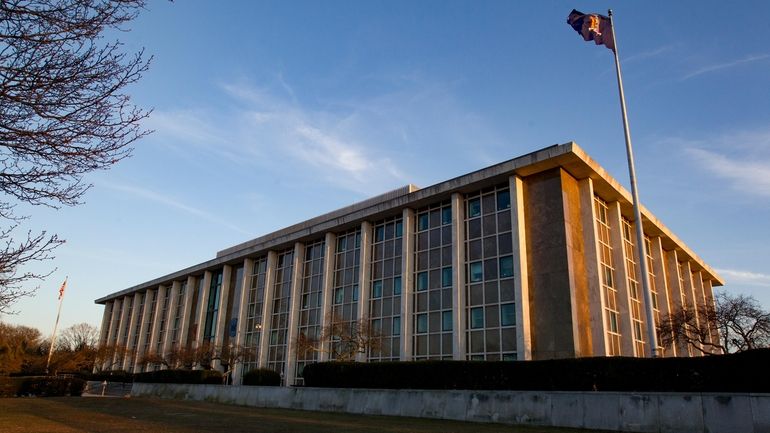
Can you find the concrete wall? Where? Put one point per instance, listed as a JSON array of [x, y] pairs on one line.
[[643, 412]]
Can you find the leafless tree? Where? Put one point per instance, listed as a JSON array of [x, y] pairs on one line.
[[78, 337], [110, 357], [63, 113], [19, 345], [341, 339], [736, 323]]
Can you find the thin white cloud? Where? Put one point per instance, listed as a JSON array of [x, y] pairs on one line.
[[745, 175], [725, 65], [741, 277], [172, 203], [346, 144], [650, 53]]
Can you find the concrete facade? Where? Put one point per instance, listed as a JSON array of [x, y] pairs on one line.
[[526, 259], [610, 411]]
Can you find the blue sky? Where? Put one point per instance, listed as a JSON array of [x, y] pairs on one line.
[[269, 113]]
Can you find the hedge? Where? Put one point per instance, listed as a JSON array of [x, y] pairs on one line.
[[41, 386], [741, 372], [180, 376], [262, 377]]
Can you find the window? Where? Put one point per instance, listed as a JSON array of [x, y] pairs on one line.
[[446, 321], [355, 292], [396, 326], [508, 315], [377, 325], [476, 273], [422, 222], [339, 296], [503, 200], [397, 285], [379, 234], [506, 266], [474, 208], [377, 289], [422, 281], [477, 317], [422, 323], [446, 277], [446, 215], [341, 244], [399, 229]]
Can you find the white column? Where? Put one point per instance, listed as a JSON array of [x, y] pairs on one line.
[[675, 293], [661, 283], [458, 277], [220, 327], [156, 319], [596, 301], [520, 269], [330, 244], [203, 301], [124, 317], [187, 311], [364, 278], [240, 336], [111, 332], [267, 312], [173, 301], [128, 358], [105, 328], [146, 321], [294, 304], [407, 283], [621, 279]]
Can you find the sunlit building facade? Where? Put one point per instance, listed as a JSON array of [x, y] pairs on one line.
[[532, 258]]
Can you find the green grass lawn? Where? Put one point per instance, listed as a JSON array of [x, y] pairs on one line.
[[114, 415]]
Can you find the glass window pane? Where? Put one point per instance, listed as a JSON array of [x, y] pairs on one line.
[[476, 272], [397, 326], [397, 285], [503, 200], [422, 323], [446, 277], [477, 317], [506, 266], [399, 229], [446, 321], [474, 207], [422, 222], [422, 281], [446, 215], [377, 289]]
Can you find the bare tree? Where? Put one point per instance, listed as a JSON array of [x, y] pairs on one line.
[[341, 339], [19, 347], [734, 324], [78, 337], [63, 114], [110, 357]]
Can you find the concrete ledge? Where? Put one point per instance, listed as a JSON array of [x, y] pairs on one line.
[[636, 412]]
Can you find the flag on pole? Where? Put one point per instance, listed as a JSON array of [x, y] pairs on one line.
[[61, 289], [592, 27]]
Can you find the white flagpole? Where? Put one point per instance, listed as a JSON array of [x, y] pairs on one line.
[[640, 244], [56, 325]]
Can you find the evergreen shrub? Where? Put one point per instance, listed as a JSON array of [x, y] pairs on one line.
[[262, 377], [740, 372], [180, 376]]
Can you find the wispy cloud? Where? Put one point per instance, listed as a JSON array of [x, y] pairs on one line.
[[745, 175], [644, 55], [348, 144], [172, 203], [725, 65], [740, 277]]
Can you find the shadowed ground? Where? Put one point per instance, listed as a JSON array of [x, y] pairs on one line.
[[114, 415]]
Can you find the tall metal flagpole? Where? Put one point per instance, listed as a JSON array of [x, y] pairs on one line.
[[640, 244], [56, 325]]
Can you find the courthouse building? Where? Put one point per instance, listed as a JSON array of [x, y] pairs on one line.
[[532, 258]]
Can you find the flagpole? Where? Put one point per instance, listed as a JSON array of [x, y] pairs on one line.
[[56, 325], [640, 243]]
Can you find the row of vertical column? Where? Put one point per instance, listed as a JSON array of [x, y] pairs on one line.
[[154, 309], [673, 282]]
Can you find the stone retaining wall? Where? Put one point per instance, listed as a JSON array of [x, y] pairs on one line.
[[640, 412]]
